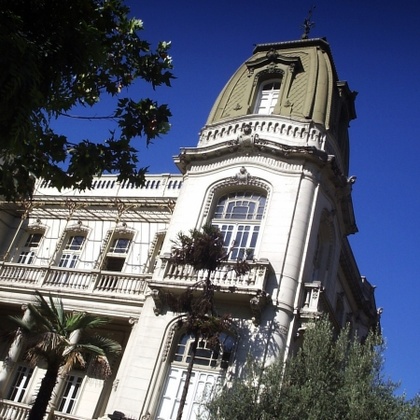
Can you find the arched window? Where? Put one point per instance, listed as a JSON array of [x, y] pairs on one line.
[[267, 97], [210, 364], [238, 215]]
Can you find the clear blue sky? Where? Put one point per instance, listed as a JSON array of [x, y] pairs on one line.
[[375, 45]]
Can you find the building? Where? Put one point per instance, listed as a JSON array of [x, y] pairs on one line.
[[271, 171]]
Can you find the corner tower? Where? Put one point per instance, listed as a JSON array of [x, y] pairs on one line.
[[287, 83], [271, 171]]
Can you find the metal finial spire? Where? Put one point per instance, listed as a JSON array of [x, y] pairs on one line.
[[308, 24]]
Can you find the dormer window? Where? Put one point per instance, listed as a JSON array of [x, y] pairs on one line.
[[267, 98]]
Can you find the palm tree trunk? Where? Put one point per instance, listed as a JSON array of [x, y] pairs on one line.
[[187, 377], [46, 389]]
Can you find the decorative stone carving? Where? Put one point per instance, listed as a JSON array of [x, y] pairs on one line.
[[272, 54], [158, 302], [242, 177], [246, 139]]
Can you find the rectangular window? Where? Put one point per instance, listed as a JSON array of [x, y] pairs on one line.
[[68, 260], [20, 383], [240, 240], [26, 257], [70, 394], [120, 246], [75, 243], [33, 240], [27, 254]]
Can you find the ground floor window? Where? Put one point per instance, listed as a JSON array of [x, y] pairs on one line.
[[210, 364], [202, 386], [20, 383], [70, 394]]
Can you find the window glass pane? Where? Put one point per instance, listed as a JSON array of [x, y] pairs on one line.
[[120, 246], [26, 257], [75, 243], [33, 240], [70, 394], [20, 383]]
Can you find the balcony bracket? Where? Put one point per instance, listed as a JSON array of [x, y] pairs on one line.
[[258, 303], [156, 295]]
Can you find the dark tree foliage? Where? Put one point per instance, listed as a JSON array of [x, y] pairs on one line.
[[57, 55], [202, 250], [329, 378]]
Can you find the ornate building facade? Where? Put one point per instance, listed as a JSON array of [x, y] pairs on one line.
[[271, 171]]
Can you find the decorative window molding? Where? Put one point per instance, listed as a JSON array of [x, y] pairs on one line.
[[115, 248], [154, 251], [232, 183]]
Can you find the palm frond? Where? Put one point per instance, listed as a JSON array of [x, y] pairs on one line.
[[39, 320], [99, 344], [84, 321]]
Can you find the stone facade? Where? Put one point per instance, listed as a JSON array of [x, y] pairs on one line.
[[271, 170]]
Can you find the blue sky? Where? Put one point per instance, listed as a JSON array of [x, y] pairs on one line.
[[375, 45]]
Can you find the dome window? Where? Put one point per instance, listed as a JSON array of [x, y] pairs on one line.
[[268, 95]]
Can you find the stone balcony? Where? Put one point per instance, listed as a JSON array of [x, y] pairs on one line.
[[248, 287], [312, 299], [99, 285], [316, 303], [10, 410]]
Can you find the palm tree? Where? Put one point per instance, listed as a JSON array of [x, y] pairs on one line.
[[203, 250], [61, 340]]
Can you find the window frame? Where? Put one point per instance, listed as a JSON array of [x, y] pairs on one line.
[[71, 393], [28, 252], [72, 250], [22, 378], [117, 255], [205, 378], [240, 228], [272, 97]]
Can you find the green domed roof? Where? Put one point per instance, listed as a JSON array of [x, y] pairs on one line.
[[306, 88]]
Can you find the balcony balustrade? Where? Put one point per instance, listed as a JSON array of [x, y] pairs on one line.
[[10, 410], [224, 276], [90, 281], [312, 296]]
